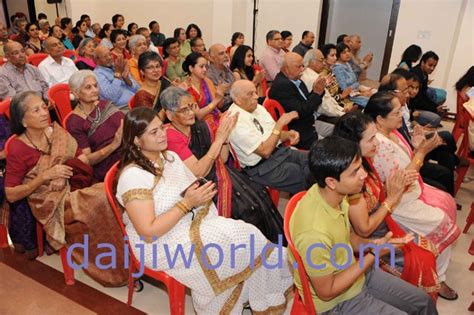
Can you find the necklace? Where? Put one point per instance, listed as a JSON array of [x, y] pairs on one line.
[[36, 147], [98, 115]]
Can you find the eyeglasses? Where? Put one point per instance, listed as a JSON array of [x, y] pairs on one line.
[[153, 67], [187, 110], [258, 125]]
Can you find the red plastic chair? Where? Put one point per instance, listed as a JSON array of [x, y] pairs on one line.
[[3, 228], [459, 124], [35, 59], [59, 96], [71, 54], [5, 107], [469, 219], [263, 83], [2, 61], [67, 270], [131, 102], [176, 290], [299, 307], [274, 108], [160, 49], [64, 121]]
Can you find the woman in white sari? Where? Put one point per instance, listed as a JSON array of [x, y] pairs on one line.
[[226, 270], [423, 209]]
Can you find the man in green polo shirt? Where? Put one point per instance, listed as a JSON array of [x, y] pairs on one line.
[[321, 232]]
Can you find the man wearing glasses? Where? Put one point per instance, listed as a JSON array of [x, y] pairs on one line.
[[272, 57]]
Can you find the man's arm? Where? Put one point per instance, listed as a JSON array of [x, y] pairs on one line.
[[285, 94], [6, 90], [111, 89]]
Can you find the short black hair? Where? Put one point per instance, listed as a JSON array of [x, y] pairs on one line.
[[146, 57], [150, 25], [340, 38], [380, 104], [130, 26], [84, 16], [191, 61], [115, 18], [401, 72], [285, 34], [429, 54], [326, 49], [177, 31], [413, 76], [167, 43], [271, 34], [391, 85], [351, 126], [411, 54], [340, 48], [64, 22], [115, 33], [42, 16], [330, 157], [191, 26], [304, 34]]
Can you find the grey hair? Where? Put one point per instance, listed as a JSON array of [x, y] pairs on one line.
[[132, 42], [171, 97], [82, 44], [42, 23], [271, 34], [77, 79], [309, 57], [235, 91]]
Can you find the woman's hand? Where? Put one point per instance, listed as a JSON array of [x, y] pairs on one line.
[[57, 184], [57, 171], [427, 145], [395, 185], [118, 136], [259, 75], [226, 125], [221, 89], [197, 195], [346, 92]]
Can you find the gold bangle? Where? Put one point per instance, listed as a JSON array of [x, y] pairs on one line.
[[418, 162], [276, 132], [210, 156], [212, 106], [182, 208], [387, 206], [188, 208]]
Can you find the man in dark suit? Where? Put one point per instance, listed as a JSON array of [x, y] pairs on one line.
[[293, 95]]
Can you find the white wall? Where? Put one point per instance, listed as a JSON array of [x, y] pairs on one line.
[[15, 6], [444, 26], [64, 8]]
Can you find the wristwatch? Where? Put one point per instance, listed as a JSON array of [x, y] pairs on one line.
[[117, 75], [276, 132]]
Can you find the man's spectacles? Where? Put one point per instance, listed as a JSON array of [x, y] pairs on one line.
[[257, 124], [187, 110]]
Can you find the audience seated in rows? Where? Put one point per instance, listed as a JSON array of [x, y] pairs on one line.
[[257, 140], [95, 124], [114, 79], [56, 68], [18, 76], [206, 154], [321, 217], [154, 83], [291, 93]]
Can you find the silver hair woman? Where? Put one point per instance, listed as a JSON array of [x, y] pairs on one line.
[[95, 124], [137, 45], [86, 50]]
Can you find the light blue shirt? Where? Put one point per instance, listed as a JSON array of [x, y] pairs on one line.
[[345, 76], [297, 83], [113, 89]]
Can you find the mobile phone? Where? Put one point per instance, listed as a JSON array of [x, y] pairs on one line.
[[429, 135], [201, 182]]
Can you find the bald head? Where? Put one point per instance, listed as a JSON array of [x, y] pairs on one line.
[[11, 46], [54, 47], [15, 54], [103, 56], [355, 43], [218, 55], [292, 66], [244, 94]]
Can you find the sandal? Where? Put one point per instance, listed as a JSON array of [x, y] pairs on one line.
[[447, 293]]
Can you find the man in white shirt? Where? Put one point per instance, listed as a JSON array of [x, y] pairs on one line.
[[257, 140], [56, 68]]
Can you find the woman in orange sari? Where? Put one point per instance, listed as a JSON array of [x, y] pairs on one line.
[[206, 95], [46, 166], [370, 211]]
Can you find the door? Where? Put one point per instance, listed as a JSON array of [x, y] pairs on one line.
[[373, 20]]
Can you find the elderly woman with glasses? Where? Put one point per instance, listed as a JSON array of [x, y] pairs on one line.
[[423, 209], [206, 153]]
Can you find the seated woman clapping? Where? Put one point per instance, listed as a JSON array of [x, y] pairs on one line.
[[370, 211], [206, 152], [167, 208], [243, 68], [46, 166], [95, 124]]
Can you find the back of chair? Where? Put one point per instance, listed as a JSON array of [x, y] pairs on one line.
[[71, 54], [263, 83], [5, 107], [308, 299], [109, 192], [59, 96], [35, 59], [131, 102], [274, 108], [2, 61], [64, 121], [7, 144]]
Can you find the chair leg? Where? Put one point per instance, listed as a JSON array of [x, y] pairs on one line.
[[39, 238], [67, 270], [131, 286], [176, 292], [3, 236], [469, 219]]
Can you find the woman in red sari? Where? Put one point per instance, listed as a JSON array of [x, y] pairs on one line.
[[207, 96], [370, 211]]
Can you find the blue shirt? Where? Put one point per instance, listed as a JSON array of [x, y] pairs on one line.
[[345, 76], [113, 89]]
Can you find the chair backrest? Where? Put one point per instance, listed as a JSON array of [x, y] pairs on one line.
[[2, 61], [35, 59], [274, 108], [7, 144], [71, 54], [263, 83], [109, 192], [131, 102], [308, 299], [59, 96], [5, 107], [64, 121], [160, 49]]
